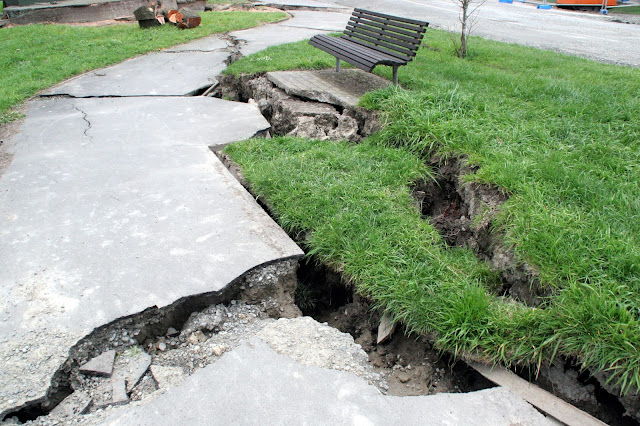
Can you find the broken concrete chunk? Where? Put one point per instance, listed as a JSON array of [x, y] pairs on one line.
[[296, 107], [131, 368], [307, 128], [102, 365], [211, 319], [167, 377], [403, 377], [73, 405], [119, 392], [347, 129]]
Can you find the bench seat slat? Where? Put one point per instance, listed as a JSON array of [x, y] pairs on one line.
[[406, 47], [357, 61], [389, 26], [395, 18], [378, 45], [368, 50], [418, 29], [357, 52], [385, 29]]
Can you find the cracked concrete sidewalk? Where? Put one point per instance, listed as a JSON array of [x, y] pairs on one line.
[[114, 204]]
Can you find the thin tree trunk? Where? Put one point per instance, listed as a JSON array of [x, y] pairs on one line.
[[463, 35]]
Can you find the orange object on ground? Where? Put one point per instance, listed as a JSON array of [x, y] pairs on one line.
[[584, 3]]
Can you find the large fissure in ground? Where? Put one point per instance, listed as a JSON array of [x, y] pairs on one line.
[[463, 213], [411, 365], [408, 362]]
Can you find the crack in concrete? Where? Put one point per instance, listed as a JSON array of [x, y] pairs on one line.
[[270, 283], [86, 120]]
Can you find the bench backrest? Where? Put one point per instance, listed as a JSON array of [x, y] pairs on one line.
[[395, 36]]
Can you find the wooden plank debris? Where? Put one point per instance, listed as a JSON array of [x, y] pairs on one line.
[[534, 395], [386, 328]]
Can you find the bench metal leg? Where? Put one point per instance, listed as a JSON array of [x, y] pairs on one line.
[[337, 64], [395, 76]]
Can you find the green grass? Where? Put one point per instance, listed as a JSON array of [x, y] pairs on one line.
[[560, 134], [34, 57], [284, 57], [626, 10]]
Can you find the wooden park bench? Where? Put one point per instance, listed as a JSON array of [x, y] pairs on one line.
[[372, 39]]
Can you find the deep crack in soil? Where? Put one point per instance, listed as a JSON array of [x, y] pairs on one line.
[[463, 213]]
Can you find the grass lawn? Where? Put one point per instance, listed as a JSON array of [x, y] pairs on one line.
[[34, 57], [560, 134]]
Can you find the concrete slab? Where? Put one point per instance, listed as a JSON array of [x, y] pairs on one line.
[[261, 386], [326, 21], [156, 74], [207, 44], [302, 26], [344, 88], [260, 38], [112, 206]]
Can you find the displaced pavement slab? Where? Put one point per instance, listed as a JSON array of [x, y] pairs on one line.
[[73, 405], [302, 26], [112, 206], [102, 365], [155, 74], [131, 368], [253, 385], [342, 88]]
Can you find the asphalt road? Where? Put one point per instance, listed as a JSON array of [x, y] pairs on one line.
[[577, 33]]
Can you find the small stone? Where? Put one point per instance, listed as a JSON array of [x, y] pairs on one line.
[[172, 331], [218, 350], [102, 365], [404, 377], [162, 346], [196, 337]]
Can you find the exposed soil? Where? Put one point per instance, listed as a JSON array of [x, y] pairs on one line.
[[295, 115], [463, 213], [409, 363]]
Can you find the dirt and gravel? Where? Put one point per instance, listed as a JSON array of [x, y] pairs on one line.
[[165, 362]]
